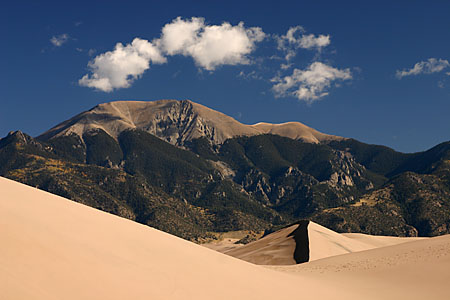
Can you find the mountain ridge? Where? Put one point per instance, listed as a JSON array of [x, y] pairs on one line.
[[185, 182], [176, 122]]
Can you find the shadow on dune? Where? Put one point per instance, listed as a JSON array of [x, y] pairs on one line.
[[300, 235]]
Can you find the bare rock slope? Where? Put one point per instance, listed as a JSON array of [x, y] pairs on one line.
[[176, 122]]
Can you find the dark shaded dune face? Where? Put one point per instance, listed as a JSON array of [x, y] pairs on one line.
[[286, 246], [301, 238]]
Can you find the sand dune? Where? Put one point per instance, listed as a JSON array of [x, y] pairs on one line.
[[53, 248], [278, 248], [274, 249], [414, 270], [325, 242]]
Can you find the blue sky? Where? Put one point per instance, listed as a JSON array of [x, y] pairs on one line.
[[375, 71]]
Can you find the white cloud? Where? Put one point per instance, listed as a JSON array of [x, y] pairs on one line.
[[285, 66], [432, 65], [295, 38], [177, 36], [210, 45], [311, 41], [59, 40], [120, 67], [310, 84]]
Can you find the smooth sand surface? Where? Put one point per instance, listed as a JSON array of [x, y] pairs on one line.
[[278, 248], [274, 249], [324, 242], [413, 270], [53, 248], [223, 245]]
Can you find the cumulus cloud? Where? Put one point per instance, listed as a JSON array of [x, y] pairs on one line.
[[432, 65], [310, 84], [59, 40], [210, 45], [295, 38], [120, 67], [180, 34]]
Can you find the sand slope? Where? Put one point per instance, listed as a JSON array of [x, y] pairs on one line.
[[414, 270], [274, 249], [53, 248], [278, 248], [325, 242]]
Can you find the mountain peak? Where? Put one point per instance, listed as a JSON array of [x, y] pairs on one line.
[[175, 122]]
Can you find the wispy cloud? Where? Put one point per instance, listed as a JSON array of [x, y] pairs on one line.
[[296, 38], [59, 40], [432, 65], [250, 75], [311, 41], [310, 84]]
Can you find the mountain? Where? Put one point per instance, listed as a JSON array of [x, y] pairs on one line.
[[416, 195], [155, 183], [175, 122], [193, 172]]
